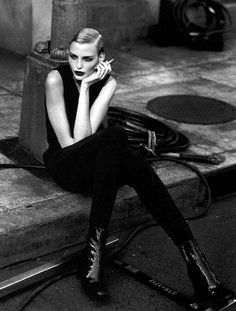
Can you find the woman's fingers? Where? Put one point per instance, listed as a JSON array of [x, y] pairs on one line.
[[103, 68], [108, 68]]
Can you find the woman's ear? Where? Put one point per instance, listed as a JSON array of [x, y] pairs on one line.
[[102, 57]]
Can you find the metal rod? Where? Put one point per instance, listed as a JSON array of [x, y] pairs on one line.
[[229, 306], [69, 262], [44, 272]]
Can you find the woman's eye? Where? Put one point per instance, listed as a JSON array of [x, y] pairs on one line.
[[88, 59], [72, 56]]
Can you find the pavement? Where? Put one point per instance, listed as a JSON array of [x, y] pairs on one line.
[[34, 220], [151, 252]]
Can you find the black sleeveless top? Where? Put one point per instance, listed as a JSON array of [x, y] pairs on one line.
[[71, 96]]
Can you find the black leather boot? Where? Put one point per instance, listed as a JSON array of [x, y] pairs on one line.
[[203, 278], [92, 265]]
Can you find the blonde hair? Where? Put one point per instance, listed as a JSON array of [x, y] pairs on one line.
[[89, 35]]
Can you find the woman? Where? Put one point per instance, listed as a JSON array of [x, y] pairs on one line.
[[83, 156]]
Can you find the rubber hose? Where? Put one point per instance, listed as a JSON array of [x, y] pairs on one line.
[[218, 19]]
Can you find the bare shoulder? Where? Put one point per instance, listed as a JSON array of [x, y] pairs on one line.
[[53, 80], [54, 90], [111, 82]]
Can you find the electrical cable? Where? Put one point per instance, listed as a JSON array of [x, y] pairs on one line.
[[145, 130], [218, 18], [208, 196], [190, 23], [154, 138], [41, 288]]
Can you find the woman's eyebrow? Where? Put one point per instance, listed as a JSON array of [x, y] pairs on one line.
[[72, 54], [91, 56]]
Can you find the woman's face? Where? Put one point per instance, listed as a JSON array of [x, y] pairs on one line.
[[83, 58]]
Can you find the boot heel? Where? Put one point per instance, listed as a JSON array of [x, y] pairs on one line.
[[204, 281], [200, 287]]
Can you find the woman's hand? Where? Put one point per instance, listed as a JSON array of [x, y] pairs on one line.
[[101, 71]]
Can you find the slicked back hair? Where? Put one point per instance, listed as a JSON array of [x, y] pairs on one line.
[[89, 35]]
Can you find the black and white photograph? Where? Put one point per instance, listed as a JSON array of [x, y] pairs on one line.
[[117, 155]]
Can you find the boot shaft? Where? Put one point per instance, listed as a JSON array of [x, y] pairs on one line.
[[94, 253], [202, 276]]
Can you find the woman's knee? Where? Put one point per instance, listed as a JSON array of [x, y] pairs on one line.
[[137, 163], [116, 135], [136, 156]]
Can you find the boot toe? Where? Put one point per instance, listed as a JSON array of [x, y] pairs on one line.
[[95, 290], [221, 294], [102, 293]]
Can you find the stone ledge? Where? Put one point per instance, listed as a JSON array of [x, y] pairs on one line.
[[37, 217], [50, 219]]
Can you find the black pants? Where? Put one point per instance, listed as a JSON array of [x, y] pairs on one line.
[[100, 164]]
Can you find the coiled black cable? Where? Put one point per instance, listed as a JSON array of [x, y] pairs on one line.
[[143, 131], [201, 20]]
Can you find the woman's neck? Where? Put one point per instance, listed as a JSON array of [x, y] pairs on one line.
[[77, 83]]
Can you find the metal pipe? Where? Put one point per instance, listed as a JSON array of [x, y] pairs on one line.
[[44, 272]]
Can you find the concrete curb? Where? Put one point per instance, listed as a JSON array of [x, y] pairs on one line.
[[34, 227]]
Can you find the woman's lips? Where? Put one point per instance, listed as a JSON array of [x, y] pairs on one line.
[[79, 73]]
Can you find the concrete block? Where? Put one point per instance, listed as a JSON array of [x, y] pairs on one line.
[[67, 17], [38, 226], [32, 133], [9, 116]]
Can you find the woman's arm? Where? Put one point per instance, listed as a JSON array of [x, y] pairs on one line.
[[100, 106], [82, 127], [56, 108], [88, 120]]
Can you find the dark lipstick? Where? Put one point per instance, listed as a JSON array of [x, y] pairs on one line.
[[79, 73]]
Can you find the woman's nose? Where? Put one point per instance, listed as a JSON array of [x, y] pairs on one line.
[[79, 63]]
